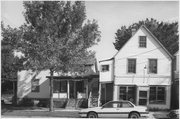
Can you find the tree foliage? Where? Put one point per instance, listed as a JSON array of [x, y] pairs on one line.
[[166, 33], [10, 63], [56, 35]]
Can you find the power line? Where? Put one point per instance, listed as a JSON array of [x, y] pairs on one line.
[[139, 54]]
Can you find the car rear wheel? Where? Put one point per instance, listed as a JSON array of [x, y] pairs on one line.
[[134, 115], [92, 115]]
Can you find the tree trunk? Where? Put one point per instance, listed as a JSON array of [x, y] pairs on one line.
[[51, 109], [14, 92]]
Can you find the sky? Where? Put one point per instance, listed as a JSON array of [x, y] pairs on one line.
[[110, 15]]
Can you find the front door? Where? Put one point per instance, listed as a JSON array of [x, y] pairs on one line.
[[143, 96]]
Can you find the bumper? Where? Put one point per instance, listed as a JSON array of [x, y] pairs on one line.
[[145, 114], [82, 114]]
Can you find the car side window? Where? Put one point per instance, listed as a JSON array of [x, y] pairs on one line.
[[126, 105], [111, 105]]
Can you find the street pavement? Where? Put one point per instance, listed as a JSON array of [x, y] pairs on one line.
[[58, 113]]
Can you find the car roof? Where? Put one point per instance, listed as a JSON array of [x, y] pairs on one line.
[[120, 101]]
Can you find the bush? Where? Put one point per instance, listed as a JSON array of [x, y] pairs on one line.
[[43, 103], [27, 102], [60, 103]]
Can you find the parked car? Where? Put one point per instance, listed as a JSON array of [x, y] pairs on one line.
[[174, 114], [124, 109]]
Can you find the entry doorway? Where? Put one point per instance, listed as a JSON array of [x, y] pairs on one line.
[[75, 88], [106, 92], [143, 96]]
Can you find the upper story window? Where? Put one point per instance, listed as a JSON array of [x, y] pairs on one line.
[[131, 65], [142, 41], [153, 66], [104, 68], [35, 85]]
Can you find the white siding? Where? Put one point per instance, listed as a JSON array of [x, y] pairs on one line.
[[106, 76], [24, 84], [152, 51], [142, 77]]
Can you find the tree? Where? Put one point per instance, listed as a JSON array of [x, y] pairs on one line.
[[10, 64], [56, 37], [166, 33]]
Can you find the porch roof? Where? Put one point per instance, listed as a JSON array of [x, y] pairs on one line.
[[75, 78]]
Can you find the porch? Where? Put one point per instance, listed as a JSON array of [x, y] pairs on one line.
[[73, 91]]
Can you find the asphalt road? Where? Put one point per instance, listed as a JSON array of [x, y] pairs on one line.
[[47, 114]]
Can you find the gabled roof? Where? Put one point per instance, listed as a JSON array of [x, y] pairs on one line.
[[149, 32]]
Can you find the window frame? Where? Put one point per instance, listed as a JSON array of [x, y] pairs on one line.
[[35, 88], [128, 66], [149, 69], [60, 87], [141, 41], [156, 101], [105, 70]]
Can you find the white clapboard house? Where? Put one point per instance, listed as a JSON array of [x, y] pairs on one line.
[[140, 72]]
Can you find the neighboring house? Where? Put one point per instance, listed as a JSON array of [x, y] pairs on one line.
[[175, 82], [67, 88], [140, 72]]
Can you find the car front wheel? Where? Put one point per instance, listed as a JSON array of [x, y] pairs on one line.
[[92, 115], [134, 115]]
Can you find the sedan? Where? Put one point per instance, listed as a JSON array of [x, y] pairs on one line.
[[113, 109]]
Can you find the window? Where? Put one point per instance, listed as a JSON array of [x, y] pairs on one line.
[[157, 95], [80, 86], [142, 41], [104, 68], [59, 86], [35, 85], [127, 93], [142, 97], [111, 105], [126, 105], [63, 86], [131, 65], [153, 66]]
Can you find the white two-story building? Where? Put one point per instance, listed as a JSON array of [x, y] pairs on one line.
[[140, 72]]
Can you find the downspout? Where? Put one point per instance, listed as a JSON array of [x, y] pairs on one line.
[[113, 79]]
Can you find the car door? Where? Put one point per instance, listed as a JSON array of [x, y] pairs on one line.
[[109, 110], [124, 109]]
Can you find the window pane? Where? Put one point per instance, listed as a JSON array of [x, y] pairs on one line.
[[122, 93], [161, 94], [152, 65], [152, 97], [56, 86], [104, 68], [126, 104], [143, 94], [35, 85], [142, 41], [63, 86], [131, 65], [142, 101]]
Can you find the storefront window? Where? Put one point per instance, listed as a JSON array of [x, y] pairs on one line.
[[127, 93], [157, 95]]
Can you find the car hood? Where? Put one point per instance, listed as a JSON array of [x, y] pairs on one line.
[[141, 107]]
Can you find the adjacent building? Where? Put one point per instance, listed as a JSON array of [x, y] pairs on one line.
[[67, 89], [175, 82], [140, 72]]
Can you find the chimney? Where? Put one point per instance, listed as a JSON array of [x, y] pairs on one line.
[[133, 30]]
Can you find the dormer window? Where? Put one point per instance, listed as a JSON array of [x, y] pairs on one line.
[[104, 68], [142, 41]]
